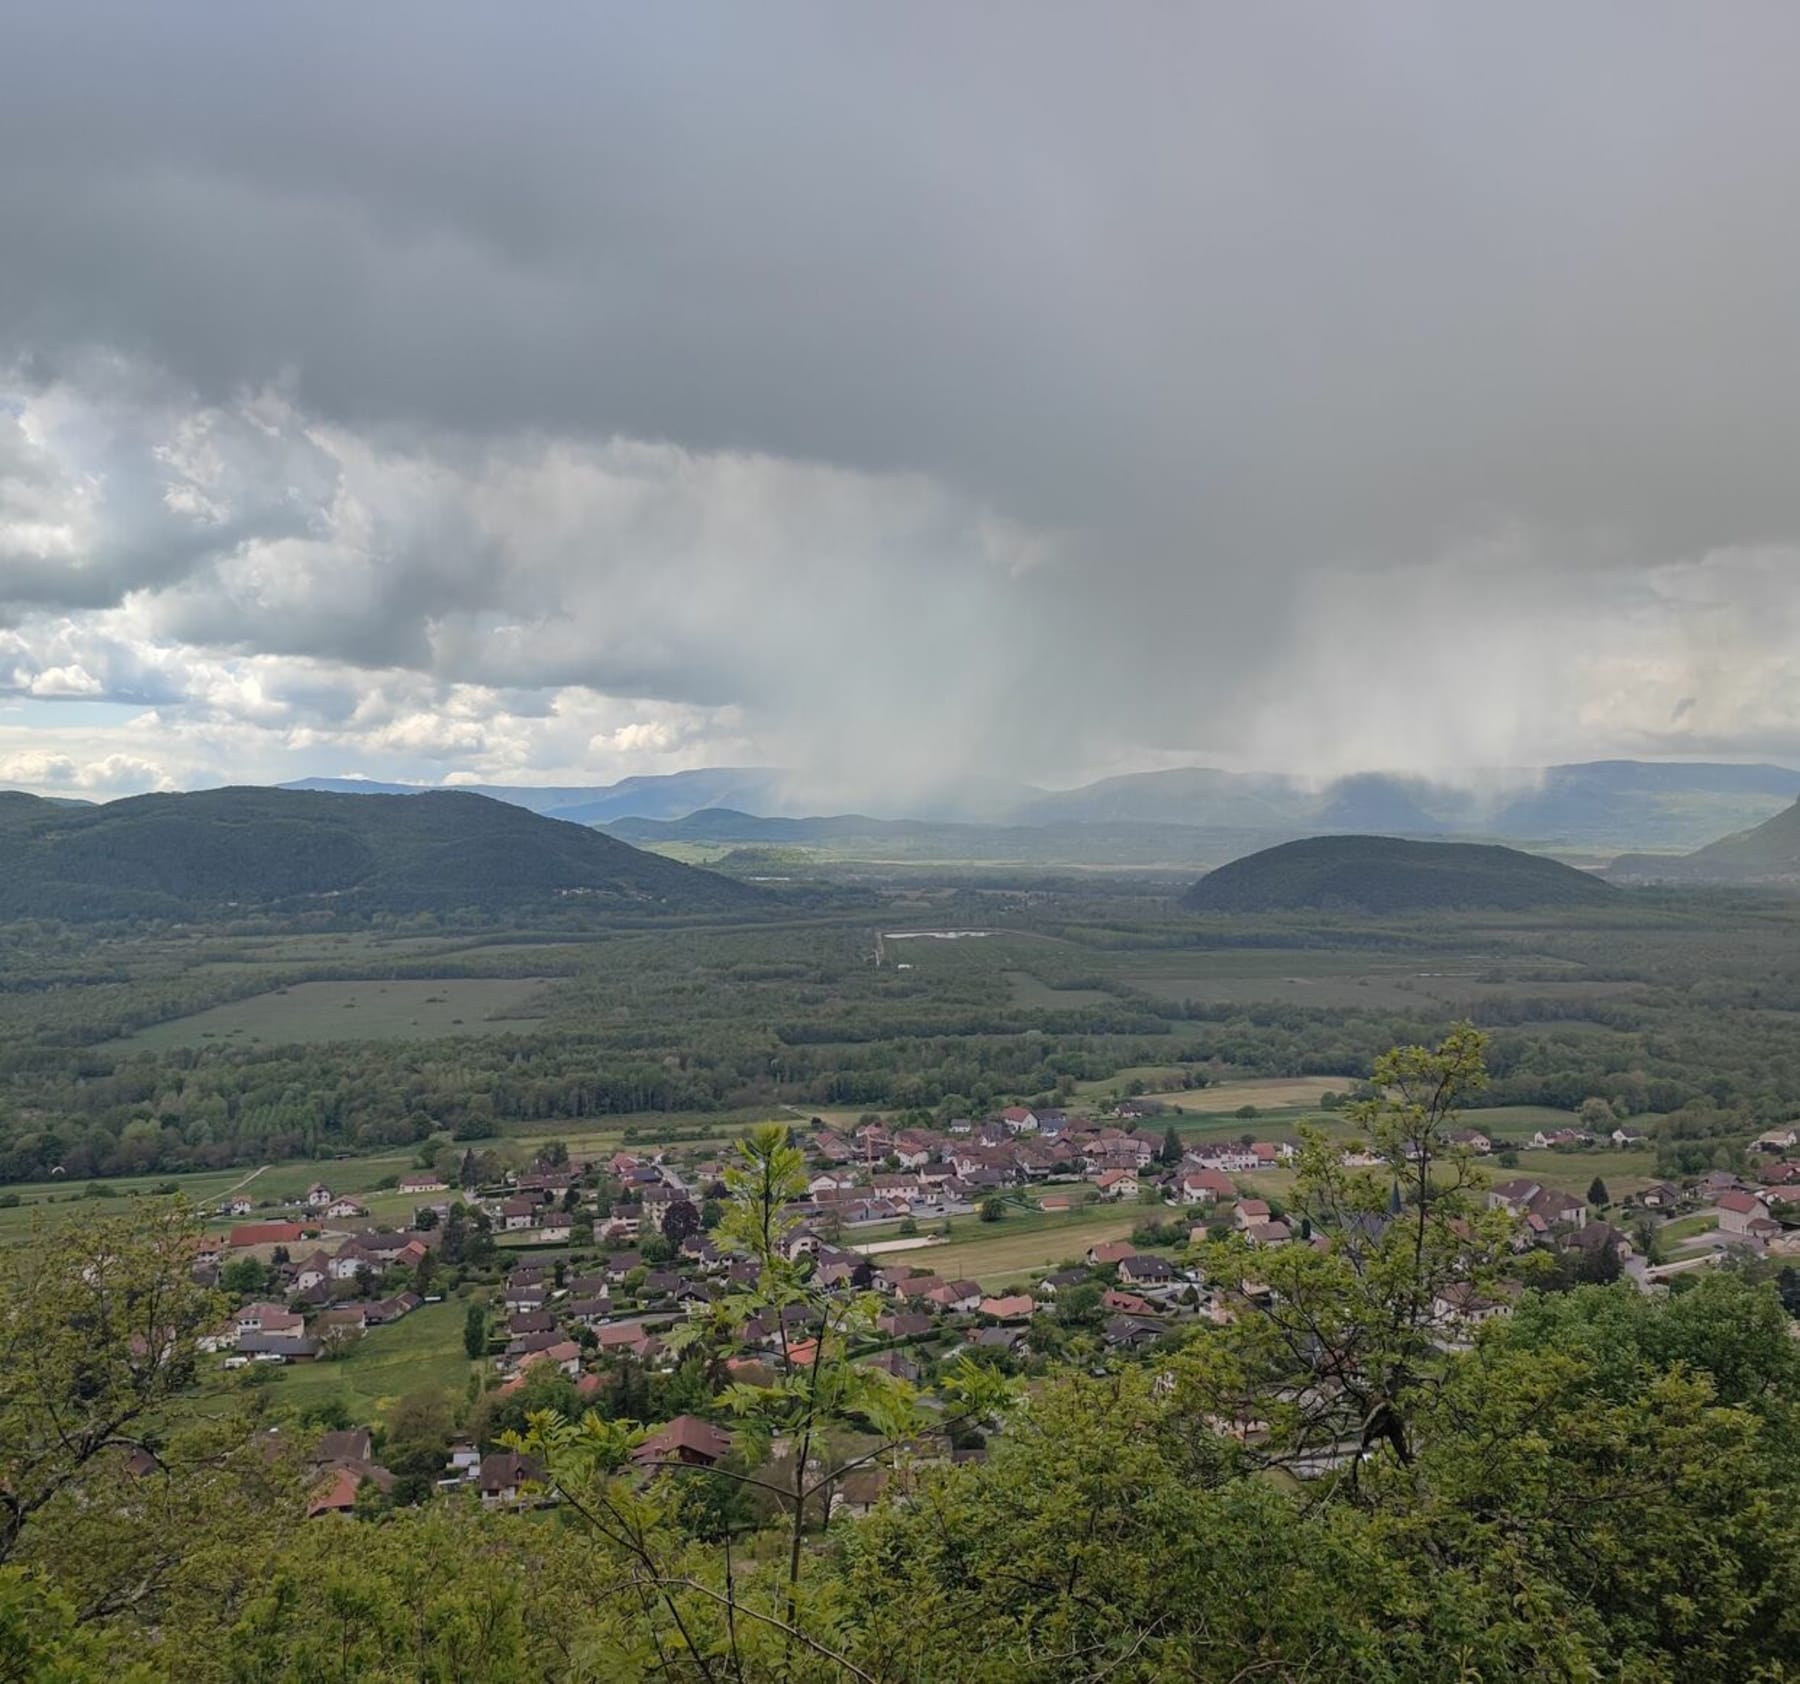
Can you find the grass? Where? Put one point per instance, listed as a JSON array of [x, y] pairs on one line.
[[1027, 990], [421, 1353], [1687, 1227], [1025, 1242], [367, 1010], [1624, 1172]]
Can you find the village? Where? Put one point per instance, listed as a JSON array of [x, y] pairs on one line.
[[585, 1270]]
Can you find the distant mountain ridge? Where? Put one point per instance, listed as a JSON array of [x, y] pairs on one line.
[[179, 856], [1387, 875], [1768, 855], [1608, 805]]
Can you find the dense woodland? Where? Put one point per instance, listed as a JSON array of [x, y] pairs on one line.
[[1677, 1006]]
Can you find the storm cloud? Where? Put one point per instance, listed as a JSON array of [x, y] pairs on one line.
[[897, 393]]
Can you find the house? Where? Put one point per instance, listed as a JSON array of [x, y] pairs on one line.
[[1110, 1251], [518, 1214], [913, 1150], [337, 1495], [1223, 1155], [392, 1309], [269, 1318], [1126, 1303], [241, 1205], [1540, 1207], [428, 1182], [1472, 1140], [1140, 1270], [688, 1440], [1129, 1332], [344, 1208], [1118, 1184], [1206, 1186], [348, 1444], [246, 1234], [1740, 1213], [1552, 1139], [315, 1270], [1019, 1119], [998, 1339], [1052, 1284], [659, 1201], [904, 1324], [1013, 1307], [351, 1259], [1659, 1195], [831, 1181], [1249, 1212], [1460, 1307], [271, 1347], [504, 1477], [626, 1336], [1057, 1201], [892, 1362], [1626, 1135], [956, 1297], [318, 1196], [1272, 1232], [564, 1354], [1775, 1140]]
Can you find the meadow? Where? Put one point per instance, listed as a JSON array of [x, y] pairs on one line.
[[422, 1352], [1023, 1243], [365, 1009]]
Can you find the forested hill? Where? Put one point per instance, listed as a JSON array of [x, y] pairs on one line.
[[286, 851], [1383, 875], [1769, 854]]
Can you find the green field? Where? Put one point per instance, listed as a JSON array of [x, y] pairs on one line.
[[1027, 990], [387, 1010], [422, 1353], [1025, 1243], [1623, 1171]]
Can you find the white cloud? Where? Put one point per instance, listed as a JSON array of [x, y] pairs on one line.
[[278, 596]]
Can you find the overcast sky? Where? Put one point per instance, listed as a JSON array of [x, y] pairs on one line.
[[898, 393]]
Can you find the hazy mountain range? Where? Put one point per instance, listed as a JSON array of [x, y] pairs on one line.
[[1767, 854], [1193, 814]]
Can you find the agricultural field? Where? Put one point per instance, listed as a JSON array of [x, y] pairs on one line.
[[395, 1009]]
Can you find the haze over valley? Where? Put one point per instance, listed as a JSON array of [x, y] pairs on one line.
[[899, 845]]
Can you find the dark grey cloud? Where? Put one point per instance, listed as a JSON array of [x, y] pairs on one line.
[[1224, 305]]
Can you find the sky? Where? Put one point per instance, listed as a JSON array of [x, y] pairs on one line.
[[905, 395]]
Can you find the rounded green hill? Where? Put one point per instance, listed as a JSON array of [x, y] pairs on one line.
[[1385, 875]]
